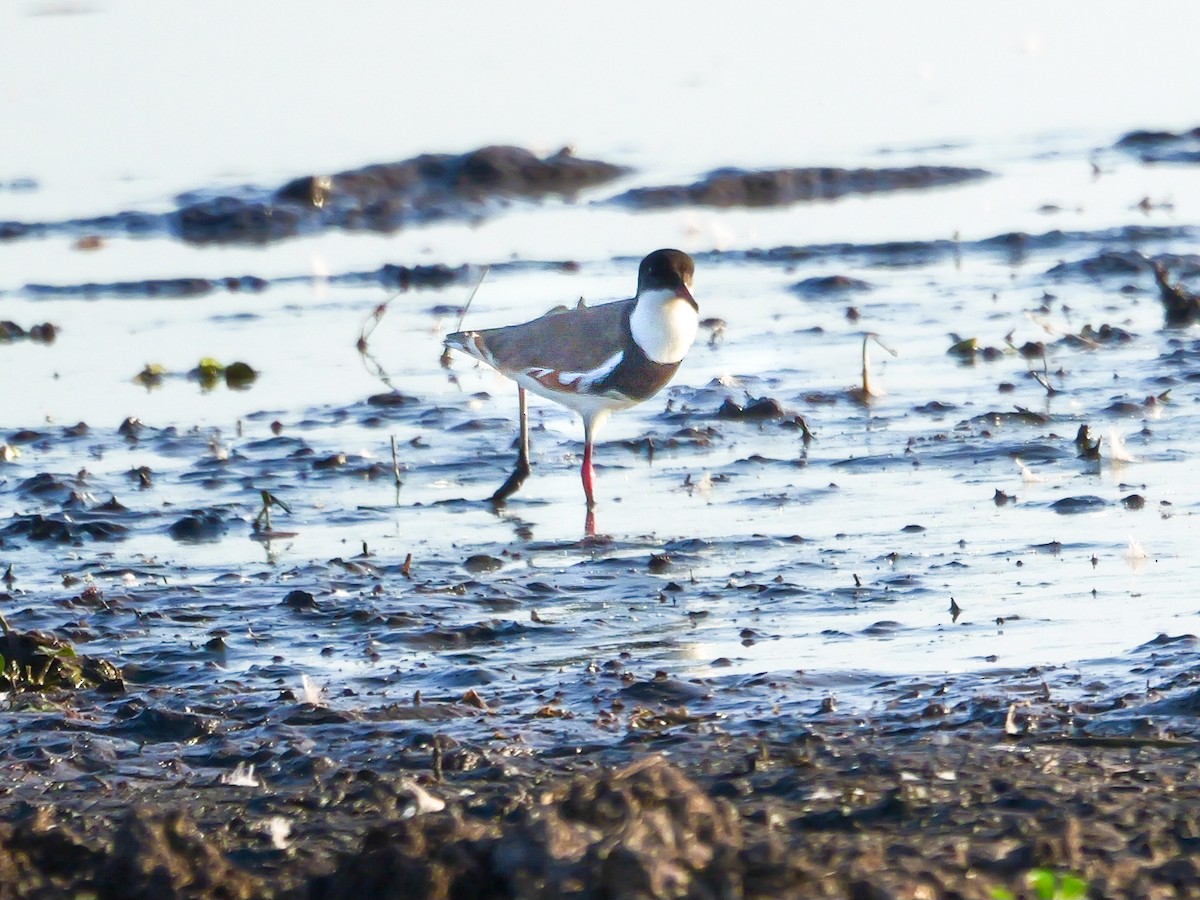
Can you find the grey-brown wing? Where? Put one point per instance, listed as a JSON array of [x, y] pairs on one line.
[[575, 340]]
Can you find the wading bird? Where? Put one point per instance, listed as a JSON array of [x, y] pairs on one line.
[[595, 359]]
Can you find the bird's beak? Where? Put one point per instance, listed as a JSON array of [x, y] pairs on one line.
[[683, 293]]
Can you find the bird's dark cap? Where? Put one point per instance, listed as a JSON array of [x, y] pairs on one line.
[[669, 269]]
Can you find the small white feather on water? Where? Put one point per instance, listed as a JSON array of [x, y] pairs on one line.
[[311, 691], [1027, 475], [1116, 448], [420, 800], [1135, 555], [320, 275], [279, 830], [242, 776]]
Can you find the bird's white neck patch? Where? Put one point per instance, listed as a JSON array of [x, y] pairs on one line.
[[664, 325]]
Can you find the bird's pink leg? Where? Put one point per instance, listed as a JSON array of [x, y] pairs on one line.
[[587, 473]]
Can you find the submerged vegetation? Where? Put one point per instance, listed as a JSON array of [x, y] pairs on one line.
[[36, 662]]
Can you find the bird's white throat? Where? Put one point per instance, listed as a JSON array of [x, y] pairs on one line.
[[664, 325]]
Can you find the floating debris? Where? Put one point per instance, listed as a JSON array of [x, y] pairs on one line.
[[242, 776], [1181, 308]]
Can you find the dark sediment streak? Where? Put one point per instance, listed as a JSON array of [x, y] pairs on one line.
[[383, 197], [780, 187], [389, 275], [1162, 146], [1110, 255]]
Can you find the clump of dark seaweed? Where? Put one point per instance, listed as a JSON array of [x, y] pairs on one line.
[[38, 662]]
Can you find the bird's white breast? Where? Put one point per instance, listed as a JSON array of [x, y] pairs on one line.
[[664, 325]]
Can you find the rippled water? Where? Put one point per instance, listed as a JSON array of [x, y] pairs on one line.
[[793, 570]]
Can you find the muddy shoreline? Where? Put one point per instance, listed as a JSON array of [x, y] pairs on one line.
[[800, 809], [911, 642]]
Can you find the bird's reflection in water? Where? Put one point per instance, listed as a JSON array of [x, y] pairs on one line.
[[523, 528]]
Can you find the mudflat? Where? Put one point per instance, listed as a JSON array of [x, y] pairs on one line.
[[844, 810]]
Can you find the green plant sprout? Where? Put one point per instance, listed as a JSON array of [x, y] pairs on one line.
[[1048, 884]]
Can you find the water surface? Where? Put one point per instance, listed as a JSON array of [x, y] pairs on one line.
[[795, 571]]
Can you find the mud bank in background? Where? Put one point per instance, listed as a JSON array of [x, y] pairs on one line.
[[389, 276], [1162, 146], [437, 187], [781, 187], [821, 811], [382, 197]]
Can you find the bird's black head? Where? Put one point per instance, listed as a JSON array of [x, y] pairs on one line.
[[668, 270]]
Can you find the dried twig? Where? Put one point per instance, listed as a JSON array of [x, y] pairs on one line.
[[262, 522], [372, 322], [1043, 377], [470, 299], [869, 391]]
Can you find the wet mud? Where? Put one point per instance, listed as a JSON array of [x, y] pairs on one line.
[[1181, 307], [780, 187], [1096, 256], [431, 188], [384, 197], [1162, 146], [45, 333], [851, 625], [389, 275], [834, 811], [832, 286]]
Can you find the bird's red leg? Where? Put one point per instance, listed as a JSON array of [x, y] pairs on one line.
[[517, 478], [587, 472]]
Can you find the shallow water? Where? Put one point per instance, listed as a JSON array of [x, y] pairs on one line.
[[796, 573]]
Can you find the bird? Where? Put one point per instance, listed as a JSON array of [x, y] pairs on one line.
[[594, 360]]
